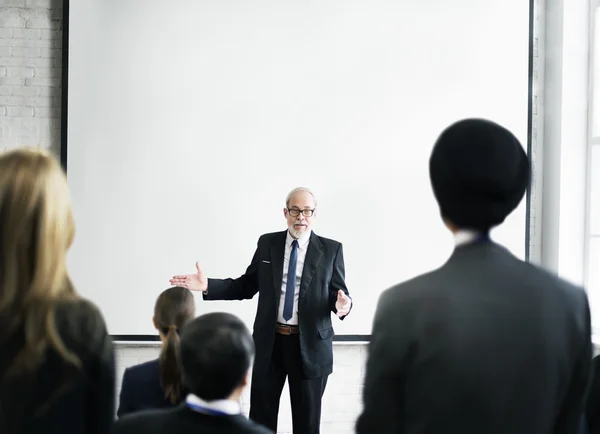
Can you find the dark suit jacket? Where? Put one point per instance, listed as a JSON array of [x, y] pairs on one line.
[[593, 401], [322, 276], [58, 399], [141, 389], [182, 420], [485, 344]]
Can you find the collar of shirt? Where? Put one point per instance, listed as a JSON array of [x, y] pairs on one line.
[[302, 241], [218, 406], [463, 236]]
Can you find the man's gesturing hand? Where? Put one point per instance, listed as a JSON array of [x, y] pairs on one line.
[[195, 282], [343, 303]]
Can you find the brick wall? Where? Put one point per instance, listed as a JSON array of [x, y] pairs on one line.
[[30, 73], [341, 402]]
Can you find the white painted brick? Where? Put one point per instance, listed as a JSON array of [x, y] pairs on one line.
[[55, 14], [51, 52], [12, 100], [24, 132], [10, 142], [26, 91], [6, 33], [37, 23], [11, 22], [47, 112], [19, 111], [14, 2], [19, 71], [12, 11], [45, 82], [51, 34], [30, 43], [26, 52], [41, 62], [2, 71], [48, 91], [129, 359], [47, 72], [27, 33], [42, 124], [5, 90], [56, 61], [5, 51], [30, 142], [40, 102], [28, 14], [12, 81], [46, 4]]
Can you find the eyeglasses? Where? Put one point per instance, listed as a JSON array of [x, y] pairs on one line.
[[294, 212]]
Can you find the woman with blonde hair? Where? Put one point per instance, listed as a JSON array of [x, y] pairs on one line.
[[158, 383], [56, 358]]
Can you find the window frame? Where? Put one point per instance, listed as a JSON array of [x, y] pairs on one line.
[[593, 142]]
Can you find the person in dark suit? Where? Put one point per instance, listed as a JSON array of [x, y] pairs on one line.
[[592, 407], [57, 367], [216, 356], [157, 383], [300, 279], [486, 343]]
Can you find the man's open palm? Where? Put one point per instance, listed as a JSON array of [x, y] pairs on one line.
[[195, 282], [343, 303]]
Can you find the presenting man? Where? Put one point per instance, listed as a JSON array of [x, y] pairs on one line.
[[300, 279]]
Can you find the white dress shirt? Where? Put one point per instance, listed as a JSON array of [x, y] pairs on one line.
[[225, 406], [463, 236], [302, 248]]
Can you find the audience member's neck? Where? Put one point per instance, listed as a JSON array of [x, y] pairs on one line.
[[236, 395]]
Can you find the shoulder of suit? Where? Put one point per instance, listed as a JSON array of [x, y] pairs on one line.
[[140, 370], [411, 289], [552, 280], [328, 242], [269, 236]]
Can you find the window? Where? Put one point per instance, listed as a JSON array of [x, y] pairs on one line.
[[592, 266]]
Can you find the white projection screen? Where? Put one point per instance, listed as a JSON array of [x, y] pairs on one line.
[[189, 122]]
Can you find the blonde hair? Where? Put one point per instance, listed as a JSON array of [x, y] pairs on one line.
[[36, 230]]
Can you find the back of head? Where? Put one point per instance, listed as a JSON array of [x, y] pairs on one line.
[[36, 230], [216, 353], [174, 308], [479, 173]]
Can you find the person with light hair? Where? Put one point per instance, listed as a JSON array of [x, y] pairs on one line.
[[300, 279], [56, 358]]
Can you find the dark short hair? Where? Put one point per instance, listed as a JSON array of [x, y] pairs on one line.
[[479, 172], [216, 352]]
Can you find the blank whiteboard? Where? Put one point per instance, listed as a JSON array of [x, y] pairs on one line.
[[189, 122]]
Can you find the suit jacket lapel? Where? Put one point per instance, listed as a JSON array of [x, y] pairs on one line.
[[277, 253], [311, 262]]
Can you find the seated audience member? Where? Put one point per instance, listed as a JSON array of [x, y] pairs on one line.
[[56, 358], [486, 343], [157, 384], [216, 355], [592, 411]]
